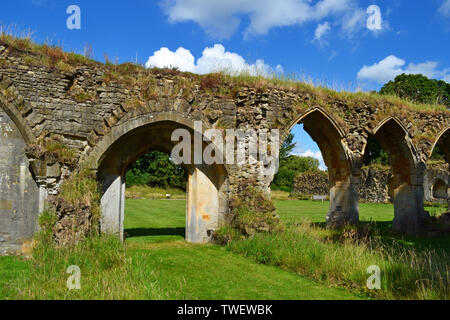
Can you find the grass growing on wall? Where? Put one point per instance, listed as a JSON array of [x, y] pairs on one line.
[[222, 83], [83, 187]]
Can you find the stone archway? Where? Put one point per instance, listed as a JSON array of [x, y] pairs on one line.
[[344, 194], [21, 199], [206, 188], [407, 183], [443, 142], [439, 190]]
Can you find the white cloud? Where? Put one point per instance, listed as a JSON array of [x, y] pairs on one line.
[[221, 18], [212, 60], [354, 21], [445, 8], [321, 30], [392, 66], [181, 59]]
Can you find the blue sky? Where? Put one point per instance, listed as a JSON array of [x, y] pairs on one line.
[[330, 42]]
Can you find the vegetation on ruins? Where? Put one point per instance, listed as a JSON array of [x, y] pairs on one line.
[[251, 212], [219, 84], [112, 270]]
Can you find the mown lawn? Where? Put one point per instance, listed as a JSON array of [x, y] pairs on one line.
[[155, 230], [162, 266]]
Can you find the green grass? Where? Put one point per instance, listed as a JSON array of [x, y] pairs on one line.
[[211, 272], [11, 269], [153, 193], [148, 221], [315, 211], [412, 267], [155, 263]]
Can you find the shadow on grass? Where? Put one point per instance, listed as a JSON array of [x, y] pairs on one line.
[[144, 232]]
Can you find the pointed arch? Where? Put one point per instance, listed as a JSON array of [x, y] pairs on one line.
[[408, 172], [443, 141], [18, 120], [386, 120], [343, 184], [323, 113]]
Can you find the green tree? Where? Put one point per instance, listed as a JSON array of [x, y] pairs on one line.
[[287, 147], [438, 154], [419, 88], [375, 154], [156, 169], [290, 168]]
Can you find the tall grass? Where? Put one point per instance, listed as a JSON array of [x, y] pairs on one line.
[[342, 259], [106, 273]]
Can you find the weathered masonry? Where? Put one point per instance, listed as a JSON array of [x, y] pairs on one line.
[[109, 120]]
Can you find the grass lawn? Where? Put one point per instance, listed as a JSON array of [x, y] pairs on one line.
[[296, 210], [159, 256], [155, 230], [166, 267]]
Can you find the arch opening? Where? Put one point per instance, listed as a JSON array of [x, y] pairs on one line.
[[406, 185], [206, 184], [440, 190], [342, 189], [441, 150]]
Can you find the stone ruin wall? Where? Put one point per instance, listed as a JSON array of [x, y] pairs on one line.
[[83, 106], [375, 185]]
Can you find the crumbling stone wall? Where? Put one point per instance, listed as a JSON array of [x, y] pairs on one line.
[[436, 171], [19, 193], [374, 185], [311, 183]]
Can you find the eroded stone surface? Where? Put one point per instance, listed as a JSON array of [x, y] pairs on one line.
[[92, 113]]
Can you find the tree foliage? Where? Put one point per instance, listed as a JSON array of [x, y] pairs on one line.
[[419, 88], [375, 154], [156, 169], [291, 166], [287, 147]]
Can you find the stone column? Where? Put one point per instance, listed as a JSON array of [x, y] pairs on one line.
[[448, 191], [202, 212], [409, 213], [344, 205], [112, 204]]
